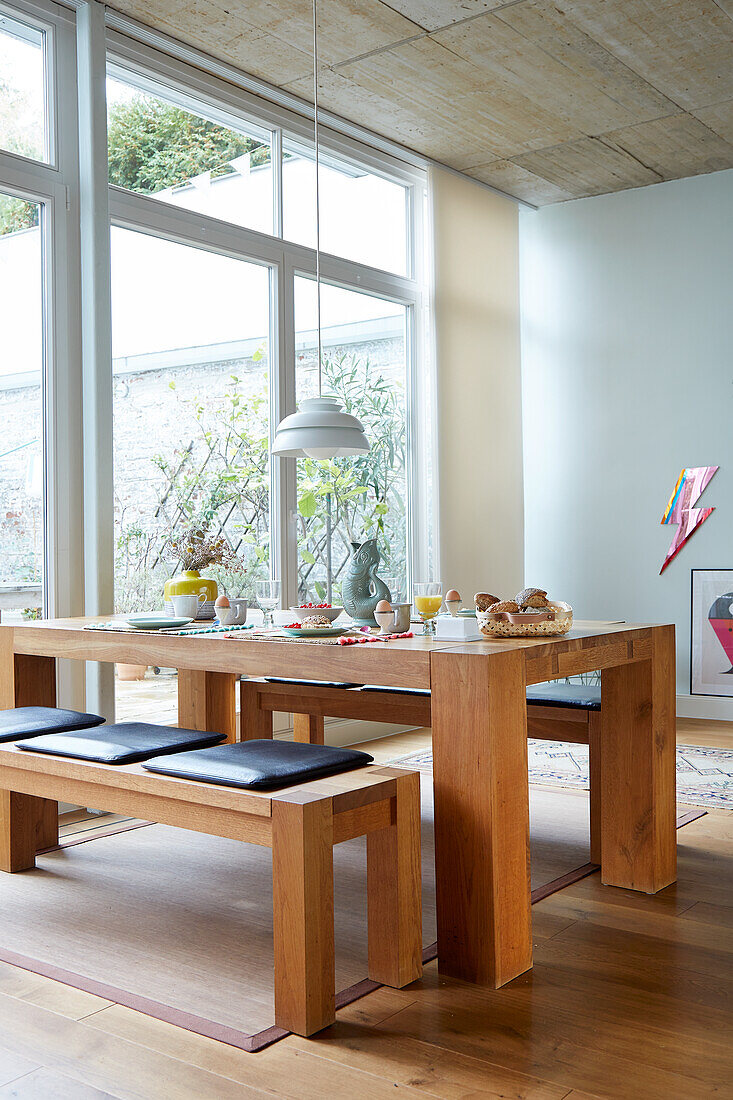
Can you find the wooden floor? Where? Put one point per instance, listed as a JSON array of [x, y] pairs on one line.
[[630, 996]]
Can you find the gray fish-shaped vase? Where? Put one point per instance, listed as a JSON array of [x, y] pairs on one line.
[[362, 589]]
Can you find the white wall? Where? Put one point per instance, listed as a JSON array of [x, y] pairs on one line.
[[627, 338], [475, 242]]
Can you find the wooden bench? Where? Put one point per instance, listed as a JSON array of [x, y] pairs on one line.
[[300, 823], [311, 703]]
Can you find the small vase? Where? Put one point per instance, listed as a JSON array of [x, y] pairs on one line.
[[191, 583]]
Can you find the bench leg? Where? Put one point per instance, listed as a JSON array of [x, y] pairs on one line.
[[302, 864], [35, 686], [308, 728], [20, 818], [394, 887], [594, 757], [254, 722]]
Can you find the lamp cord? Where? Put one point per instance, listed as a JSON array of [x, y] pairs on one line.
[[318, 192]]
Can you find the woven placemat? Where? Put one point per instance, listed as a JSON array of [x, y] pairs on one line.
[[253, 632], [183, 632], [261, 636]]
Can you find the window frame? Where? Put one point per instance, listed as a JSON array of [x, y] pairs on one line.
[[54, 186], [77, 213], [45, 20], [287, 260]]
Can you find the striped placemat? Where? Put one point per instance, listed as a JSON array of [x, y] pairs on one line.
[[119, 627]]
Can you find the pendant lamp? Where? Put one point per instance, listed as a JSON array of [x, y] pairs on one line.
[[319, 429]]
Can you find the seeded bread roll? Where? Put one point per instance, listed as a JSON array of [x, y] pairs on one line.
[[505, 605], [315, 620], [523, 598], [484, 600], [540, 600]]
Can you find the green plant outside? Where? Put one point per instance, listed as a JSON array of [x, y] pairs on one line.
[[219, 482]]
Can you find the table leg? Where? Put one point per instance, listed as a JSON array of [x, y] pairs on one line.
[[481, 815], [595, 725], [19, 818], [302, 866], [394, 886], [28, 681], [207, 701], [638, 810], [254, 722]]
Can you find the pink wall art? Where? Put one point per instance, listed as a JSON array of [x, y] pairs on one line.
[[711, 643], [691, 484]]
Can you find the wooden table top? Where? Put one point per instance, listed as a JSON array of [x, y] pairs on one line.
[[404, 662]]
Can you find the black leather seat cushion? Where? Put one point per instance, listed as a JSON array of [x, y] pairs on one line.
[[260, 765], [311, 683], [397, 691], [30, 721], [582, 696], [122, 743]]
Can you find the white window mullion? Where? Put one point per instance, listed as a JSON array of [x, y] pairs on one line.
[[96, 340], [288, 498], [276, 146]]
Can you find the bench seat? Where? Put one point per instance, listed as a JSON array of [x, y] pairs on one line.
[[301, 823]]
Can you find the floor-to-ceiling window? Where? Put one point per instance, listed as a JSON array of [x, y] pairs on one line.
[[211, 264], [24, 131], [22, 450], [40, 509], [214, 339], [349, 500]]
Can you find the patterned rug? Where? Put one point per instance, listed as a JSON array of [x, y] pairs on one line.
[[704, 776]]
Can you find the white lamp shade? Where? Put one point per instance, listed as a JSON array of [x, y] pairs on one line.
[[320, 430]]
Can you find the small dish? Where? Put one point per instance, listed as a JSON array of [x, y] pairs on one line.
[[310, 612], [156, 621], [314, 631], [468, 612]]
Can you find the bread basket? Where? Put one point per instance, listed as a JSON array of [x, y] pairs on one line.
[[504, 624]]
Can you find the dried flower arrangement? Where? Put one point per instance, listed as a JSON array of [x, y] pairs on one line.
[[196, 549]]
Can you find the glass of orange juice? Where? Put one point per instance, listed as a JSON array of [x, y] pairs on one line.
[[428, 598]]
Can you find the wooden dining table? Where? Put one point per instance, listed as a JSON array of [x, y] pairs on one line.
[[479, 747]]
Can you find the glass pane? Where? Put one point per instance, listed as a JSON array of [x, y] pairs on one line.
[[23, 124], [363, 216], [191, 422], [160, 149], [22, 542], [352, 499]]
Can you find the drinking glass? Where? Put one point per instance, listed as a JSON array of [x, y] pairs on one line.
[[428, 598], [395, 588], [268, 597]]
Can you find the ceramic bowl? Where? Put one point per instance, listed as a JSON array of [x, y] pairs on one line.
[[331, 613]]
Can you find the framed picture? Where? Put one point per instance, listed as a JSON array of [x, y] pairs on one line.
[[711, 628]]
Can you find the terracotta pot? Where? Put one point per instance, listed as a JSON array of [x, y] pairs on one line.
[[131, 672]]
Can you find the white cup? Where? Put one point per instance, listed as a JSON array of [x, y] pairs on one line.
[[187, 607]]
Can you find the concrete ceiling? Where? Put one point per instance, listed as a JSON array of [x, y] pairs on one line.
[[545, 101]]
